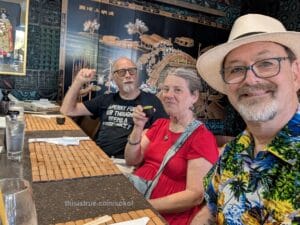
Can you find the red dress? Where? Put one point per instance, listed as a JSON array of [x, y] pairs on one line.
[[201, 144]]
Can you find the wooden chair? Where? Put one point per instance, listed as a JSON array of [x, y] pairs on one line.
[[88, 125]]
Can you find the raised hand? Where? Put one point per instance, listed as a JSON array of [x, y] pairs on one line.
[[85, 75], [139, 117]]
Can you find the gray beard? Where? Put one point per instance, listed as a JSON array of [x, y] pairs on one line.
[[258, 111], [128, 88]]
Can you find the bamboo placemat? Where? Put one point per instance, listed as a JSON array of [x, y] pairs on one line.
[[154, 219], [51, 162], [37, 123]]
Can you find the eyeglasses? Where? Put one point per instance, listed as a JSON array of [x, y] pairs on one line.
[[263, 69], [122, 72]]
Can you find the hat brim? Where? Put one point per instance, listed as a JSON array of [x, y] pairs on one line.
[[209, 63]]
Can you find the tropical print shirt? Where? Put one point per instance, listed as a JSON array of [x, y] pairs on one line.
[[243, 189]]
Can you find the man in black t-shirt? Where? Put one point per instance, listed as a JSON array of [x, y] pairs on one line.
[[114, 109]]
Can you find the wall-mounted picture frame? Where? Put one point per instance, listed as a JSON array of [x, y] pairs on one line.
[[13, 36]]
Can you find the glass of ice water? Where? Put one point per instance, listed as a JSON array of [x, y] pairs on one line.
[[16, 108], [15, 133], [18, 202]]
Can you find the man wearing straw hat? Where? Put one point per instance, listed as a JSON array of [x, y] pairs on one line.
[[257, 178]]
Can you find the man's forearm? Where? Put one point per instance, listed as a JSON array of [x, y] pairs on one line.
[[70, 99], [70, 106], [204, 217]]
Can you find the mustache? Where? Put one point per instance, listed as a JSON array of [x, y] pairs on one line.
[[128, 81], [265, 87]]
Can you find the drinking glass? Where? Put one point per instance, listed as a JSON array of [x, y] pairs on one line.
[[18, 202], [16, 107], [15, 133]]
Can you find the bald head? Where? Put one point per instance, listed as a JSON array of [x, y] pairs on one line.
[[122, 61]]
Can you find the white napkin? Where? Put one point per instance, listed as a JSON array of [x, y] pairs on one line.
[[43, 103], [47, 116], [140, 221], [60, 141], [123, 167]]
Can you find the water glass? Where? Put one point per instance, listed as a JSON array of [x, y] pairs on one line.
[[16, 107], [18, 202], [15, 133]]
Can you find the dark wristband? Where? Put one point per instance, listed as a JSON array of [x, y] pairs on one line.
[[133, 143]]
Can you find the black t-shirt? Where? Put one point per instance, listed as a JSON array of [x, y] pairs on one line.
[[116, 120]]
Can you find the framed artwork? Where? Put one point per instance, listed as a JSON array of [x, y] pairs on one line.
[[13, 36]]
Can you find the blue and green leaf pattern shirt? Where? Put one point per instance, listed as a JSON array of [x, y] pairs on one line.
[[243, 189]]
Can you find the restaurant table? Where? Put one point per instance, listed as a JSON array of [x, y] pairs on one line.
[[73, 199]]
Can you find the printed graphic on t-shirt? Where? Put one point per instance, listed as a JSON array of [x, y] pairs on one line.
[[119, 116]]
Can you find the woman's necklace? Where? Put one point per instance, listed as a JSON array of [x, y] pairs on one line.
[[176, 128], [166, 137]]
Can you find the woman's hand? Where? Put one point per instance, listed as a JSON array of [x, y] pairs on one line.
[[139, 117]]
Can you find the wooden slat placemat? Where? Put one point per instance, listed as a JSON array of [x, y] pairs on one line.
[[37, 123], [154, 219], [51, 162]]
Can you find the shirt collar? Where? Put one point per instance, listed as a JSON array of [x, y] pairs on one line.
[[285, 144]]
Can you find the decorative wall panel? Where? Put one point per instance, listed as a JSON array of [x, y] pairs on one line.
[[44, 80], [95, 33]]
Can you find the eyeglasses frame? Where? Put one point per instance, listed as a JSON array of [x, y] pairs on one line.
[[126, 71], [250, 67]]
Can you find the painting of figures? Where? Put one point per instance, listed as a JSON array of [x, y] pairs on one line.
[[13, 36]]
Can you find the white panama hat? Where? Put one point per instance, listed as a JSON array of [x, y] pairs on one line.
[[246, 29]]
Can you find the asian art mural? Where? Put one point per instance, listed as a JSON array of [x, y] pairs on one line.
[[98, 32]]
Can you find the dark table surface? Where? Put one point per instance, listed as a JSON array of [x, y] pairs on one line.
[[69, 200]]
